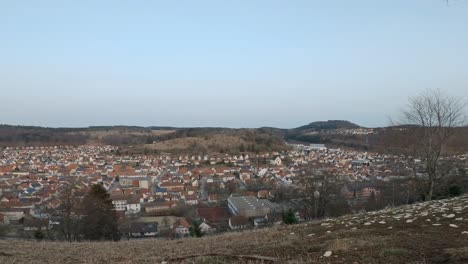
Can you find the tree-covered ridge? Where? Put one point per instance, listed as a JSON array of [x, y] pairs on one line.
[[330, 124]]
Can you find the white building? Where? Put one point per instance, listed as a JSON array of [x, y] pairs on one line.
[[317, 147], [120, 205], [133, 208], [276, 161]]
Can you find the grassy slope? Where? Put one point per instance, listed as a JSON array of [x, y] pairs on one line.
[[416, 242], [184, 143]]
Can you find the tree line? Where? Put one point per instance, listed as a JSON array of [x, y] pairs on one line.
[[91, 217]]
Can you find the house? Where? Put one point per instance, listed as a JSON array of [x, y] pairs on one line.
[[4, 219], [276, 218], [120, 202], [191, 199], [263, 194], [130, 204], [205, 228], [195, 183], [191, 190], [213, 198], [7, 169], [140, 230], [214, 216], [186, 179], [133, 206], [238, 222], [276, 161], [360, 190], [31, 224], [172, 186], [260, 222], [262, 172], [181, 228], [14, 215], [160, 191], [160, 207]]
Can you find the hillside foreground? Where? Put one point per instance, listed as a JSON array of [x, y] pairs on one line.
[[431, 232]]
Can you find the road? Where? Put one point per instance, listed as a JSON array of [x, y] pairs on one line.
[[114, 186], [157, 181], [203, 192]]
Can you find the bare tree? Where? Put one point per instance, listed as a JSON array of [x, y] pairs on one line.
[[432, 116], [321, 193], [126, 223], [67, 213]]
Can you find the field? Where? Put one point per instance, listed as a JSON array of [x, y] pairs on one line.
[[434, 232]]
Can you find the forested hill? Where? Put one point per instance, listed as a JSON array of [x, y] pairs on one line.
[[146, 139], [134, 135], [330, 124], [45, 136], [211, 139]]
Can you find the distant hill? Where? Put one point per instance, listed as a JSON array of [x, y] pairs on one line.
[[215, 139], [418, 233], [319, 132], [148, 139], [330, 124], [221, 140], [45, 136]]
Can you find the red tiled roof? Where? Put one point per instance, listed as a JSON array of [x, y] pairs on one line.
[[239, 221], [6, 169], [182, 222], [213, 214]]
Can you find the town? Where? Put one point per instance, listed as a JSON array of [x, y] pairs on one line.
[[161, 196], [233, 132]]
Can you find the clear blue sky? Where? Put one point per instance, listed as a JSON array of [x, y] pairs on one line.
[[225, 63]]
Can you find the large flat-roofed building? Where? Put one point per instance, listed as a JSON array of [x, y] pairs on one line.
[[317, 147], [248, 206]]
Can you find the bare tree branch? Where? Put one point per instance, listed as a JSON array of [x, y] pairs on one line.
[[432, 116]]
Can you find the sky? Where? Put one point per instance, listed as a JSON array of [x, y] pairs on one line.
[[243, 63]]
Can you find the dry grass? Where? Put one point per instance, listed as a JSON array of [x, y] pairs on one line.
[[223, 141], [417, 242]]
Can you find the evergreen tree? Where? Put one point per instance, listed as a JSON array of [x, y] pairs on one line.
[[289, 217], [39, 234], [195, 230], [99, 217]]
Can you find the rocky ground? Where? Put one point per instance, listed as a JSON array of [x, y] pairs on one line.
[[432, 232]]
